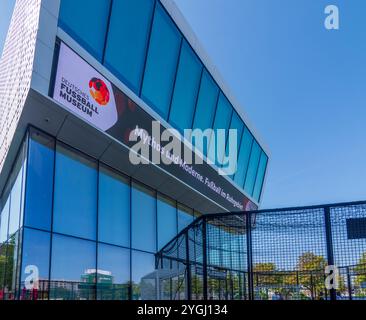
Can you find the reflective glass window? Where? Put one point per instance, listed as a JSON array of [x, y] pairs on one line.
[[252, 168], [143, 217], [214, 254], [186, 88], [113, 272], [39, 182], [222, 121], [86, 21], [11, 267], [73, 268], [24, 179], [238, 125], [185, 217], [161, 62], [143, 276], [2, 265], [75, 204], [15, 204], [167, 220], [127, 40], [4, 221], [243, 158], [260, 176], [206, 106], [114, 208], [36, 252]]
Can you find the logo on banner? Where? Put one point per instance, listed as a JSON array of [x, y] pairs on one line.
[[83, 91], [99, 91]]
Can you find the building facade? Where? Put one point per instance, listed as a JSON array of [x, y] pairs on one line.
[[77, 80]]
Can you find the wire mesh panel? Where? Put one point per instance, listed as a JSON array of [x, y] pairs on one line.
[[180, 265], [348, 224], [268, 255], [226, 257], [289, 254]]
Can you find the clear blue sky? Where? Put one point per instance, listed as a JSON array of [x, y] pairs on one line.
[[6, 10], [303, 88]]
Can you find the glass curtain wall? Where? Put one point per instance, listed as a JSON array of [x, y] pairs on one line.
[[90, 232], [11, 217], [141, 45]]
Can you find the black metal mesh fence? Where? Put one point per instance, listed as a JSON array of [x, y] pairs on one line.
[[286, 246], [268, 255]]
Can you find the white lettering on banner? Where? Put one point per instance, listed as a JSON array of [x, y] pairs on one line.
[[140, 153], [84, 91]]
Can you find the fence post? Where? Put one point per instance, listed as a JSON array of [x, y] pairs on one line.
[[204, 245], [329, 239], [349, 284], [249, 255], [245, 286], [188, 266]]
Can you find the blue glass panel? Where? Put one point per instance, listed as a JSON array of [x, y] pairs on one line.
[[143, 276], [39, 181], [260, 176], [143, 216], [16, 202], [186, 89], [114, 208], [4, 221], [86, 21], [161, 62], [222, 121], [206, 106], [127, 40], [73, 261], [243, 158], [214, 254], [167, 220], [113, 272], [185, 217], [238, 125], [75, 207], [252, 168], [24, 180], [36, 252]]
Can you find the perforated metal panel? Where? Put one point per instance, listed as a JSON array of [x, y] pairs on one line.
[[16, 65]]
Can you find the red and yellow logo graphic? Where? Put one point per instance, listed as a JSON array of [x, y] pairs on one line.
[[99, 91]]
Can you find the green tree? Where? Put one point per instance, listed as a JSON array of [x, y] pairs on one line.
[[197, 286], [7, 265], [265, 274], [2, 269], [311, 276], [360, 271]]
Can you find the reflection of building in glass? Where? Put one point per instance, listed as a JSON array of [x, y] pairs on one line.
[[97, 276], [72, 204]]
